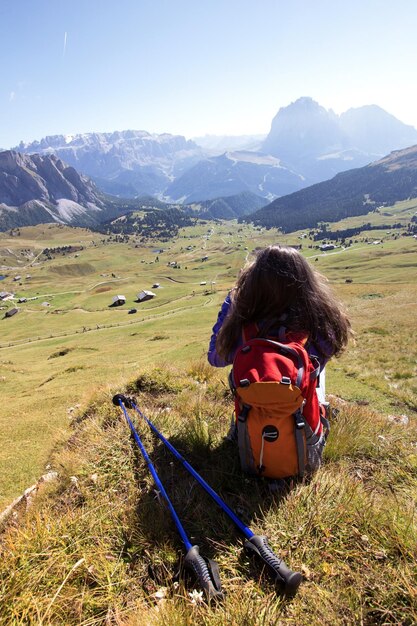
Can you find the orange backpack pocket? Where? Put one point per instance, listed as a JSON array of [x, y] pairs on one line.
[[270, 429]]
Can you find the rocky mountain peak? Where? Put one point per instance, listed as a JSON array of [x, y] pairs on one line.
[[303, 128]]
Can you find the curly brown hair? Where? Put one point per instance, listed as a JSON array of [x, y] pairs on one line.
[[281, 282]]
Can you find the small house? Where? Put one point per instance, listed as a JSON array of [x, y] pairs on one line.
[[327, 246], [17, 278], [118, 300], [156, 286], [203, 282], [11, 312], [5, 295], [22, 300], [145, 295]]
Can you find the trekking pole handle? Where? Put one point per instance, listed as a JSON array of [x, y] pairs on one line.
[[258, 544], [120, 397], [206, 571]]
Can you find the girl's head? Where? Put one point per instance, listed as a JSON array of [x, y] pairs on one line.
[[280, 283]]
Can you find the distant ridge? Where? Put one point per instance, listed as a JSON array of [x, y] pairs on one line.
[[229, 207], [38, 188], [42, 188], [129, 162], [356, 192]]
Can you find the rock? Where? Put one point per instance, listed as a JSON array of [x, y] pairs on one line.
[[398, 419]]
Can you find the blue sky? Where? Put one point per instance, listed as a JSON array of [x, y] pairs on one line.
[[196, 67]]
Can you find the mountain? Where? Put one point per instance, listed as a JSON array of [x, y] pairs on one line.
[[373, 130], [234, 172], [36, 189], [306, 144], [217, 144], [129, 162], [318, 144], [42, 188], [229, 207], [304, 129], [356, 192]]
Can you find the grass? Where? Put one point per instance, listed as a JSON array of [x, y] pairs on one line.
[[96, 547], [111, 345]]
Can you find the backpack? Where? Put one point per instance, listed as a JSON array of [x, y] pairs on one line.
[[279, 426]]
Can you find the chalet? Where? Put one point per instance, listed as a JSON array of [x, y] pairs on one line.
[[203, 282], [22, 300], [5, 295], [156, 286], [145, 295], [327, 246], [11, 312], [118, 300], [17, 278]]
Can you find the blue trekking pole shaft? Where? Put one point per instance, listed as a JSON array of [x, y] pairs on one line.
[[205, 570], [255, 544], [222, 504], [183, 534]]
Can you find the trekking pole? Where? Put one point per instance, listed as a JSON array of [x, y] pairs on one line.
[[205, 570], [255, 544]]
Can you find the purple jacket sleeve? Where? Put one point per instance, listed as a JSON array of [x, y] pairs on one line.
[[213, 358], [322, 349]]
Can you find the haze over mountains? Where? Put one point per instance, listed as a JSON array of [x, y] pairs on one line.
[[306, 144]]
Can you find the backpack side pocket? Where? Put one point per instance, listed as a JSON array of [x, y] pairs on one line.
[[315, 446]]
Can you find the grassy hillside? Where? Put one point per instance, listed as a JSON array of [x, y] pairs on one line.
[[96, 547], [352, 193]]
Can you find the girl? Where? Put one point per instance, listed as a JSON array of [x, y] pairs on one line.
[[280, 296]]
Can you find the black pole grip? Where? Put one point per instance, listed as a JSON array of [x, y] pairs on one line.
[[206, 571], [258, 544], [119, 397]]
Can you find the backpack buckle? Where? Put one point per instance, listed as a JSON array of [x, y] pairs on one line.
[[285, 380], [243, 413], [299, 420]]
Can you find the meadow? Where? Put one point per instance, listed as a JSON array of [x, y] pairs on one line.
[[349, 530]]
